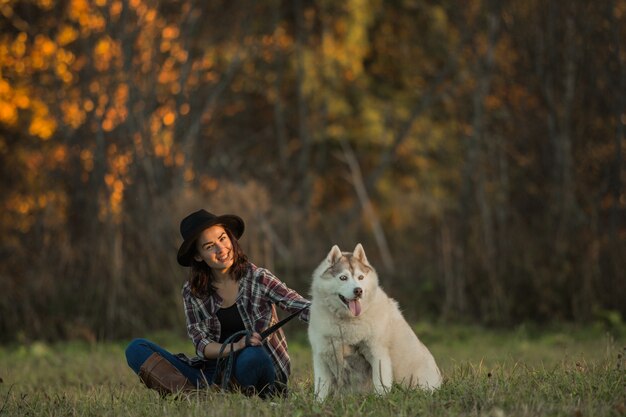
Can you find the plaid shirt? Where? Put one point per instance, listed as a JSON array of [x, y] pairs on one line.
[[259, 291]]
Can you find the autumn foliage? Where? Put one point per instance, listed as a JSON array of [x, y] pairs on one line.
[[475, 148]]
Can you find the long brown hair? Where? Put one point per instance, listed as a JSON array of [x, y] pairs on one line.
[[201, 276]]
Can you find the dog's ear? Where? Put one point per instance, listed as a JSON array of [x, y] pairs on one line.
[[334, 255], [359, 253]]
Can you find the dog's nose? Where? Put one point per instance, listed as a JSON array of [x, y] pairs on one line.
[[358, 291]]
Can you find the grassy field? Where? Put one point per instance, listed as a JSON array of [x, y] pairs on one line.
[[521, 372]]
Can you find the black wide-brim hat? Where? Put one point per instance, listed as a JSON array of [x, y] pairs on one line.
[[192, 225]]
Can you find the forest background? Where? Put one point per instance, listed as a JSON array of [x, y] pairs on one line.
[[475, 148]]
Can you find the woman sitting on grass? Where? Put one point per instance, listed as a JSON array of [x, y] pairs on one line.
[[225, 294]]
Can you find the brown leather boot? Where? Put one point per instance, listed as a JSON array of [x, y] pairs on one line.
[[158, 374]]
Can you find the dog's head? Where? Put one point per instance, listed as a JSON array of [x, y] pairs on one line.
[[345, 281]]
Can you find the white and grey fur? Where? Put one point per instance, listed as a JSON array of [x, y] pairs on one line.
[[359, 338]]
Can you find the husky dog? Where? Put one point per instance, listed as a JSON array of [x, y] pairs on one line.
[[359, 338]]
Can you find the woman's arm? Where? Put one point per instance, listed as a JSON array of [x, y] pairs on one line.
[[197, 318], [286, 298], [212, 350], [198, 330]]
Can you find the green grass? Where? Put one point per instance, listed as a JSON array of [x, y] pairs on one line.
[[521, 372]]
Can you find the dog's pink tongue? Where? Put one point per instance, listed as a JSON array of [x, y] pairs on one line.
[[355, 307]]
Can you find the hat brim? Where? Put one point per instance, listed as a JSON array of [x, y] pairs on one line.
[[233, 223]]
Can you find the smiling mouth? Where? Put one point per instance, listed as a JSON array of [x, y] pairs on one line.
[[353, 305], [224, 258]]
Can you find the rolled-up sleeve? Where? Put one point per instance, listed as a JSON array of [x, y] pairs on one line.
[[197, 321]]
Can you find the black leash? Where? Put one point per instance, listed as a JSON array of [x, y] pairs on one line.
[[230, 341], [267, 332]]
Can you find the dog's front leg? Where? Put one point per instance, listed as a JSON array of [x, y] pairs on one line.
[[382, 374], [323, 377]]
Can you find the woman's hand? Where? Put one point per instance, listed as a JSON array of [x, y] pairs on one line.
[[253, 340]]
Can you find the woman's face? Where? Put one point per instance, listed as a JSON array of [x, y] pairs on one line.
[[214, 247]]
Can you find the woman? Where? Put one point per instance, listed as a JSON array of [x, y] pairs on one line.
[[225, 294]]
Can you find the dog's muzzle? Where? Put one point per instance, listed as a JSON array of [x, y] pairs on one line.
[[354, 305]]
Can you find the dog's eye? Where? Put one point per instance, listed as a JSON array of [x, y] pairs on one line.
[[343, 277], [361, 277]]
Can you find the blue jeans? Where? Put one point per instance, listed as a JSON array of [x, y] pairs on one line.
[[253, 366]]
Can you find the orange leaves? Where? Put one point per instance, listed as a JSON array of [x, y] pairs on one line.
[[66, 35], [116, 178], [45, 4], [169, 118], [8, 106], [117, 112], [18, 47], [73, 113], [347, 43], [42, 124], [169, 74], [281, 38], [89, 19], [170, 32], [86, 159], [23, 58], [8, 113], [105, 51]]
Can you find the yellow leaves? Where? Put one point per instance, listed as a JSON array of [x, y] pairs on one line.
[[439, 18], [88, 105], [66, 35], [347, 43], [42, 124], [150, 15], [118, 111], [36, 196], [103, 47], [168, 72], [46, 45], [45, 4], [63, 72], [59, 154], [89, 19], [170, 32], [23, 56], [282, 38], [169, 118], [209, 184], [86, 159], [104, 51], [21, 99], [116, 9], [6, 9], [116, 178], [43, 127], [162, 134], [8, 113], [18, 47], [42, 54], [77, 8], [73, 113], [65, 56], [5, 87], [8, 105], [179, 159], [189, 175]]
